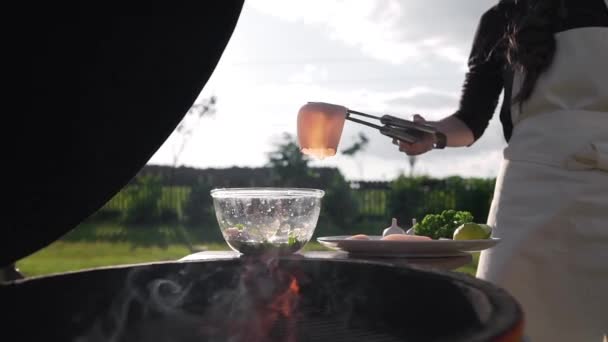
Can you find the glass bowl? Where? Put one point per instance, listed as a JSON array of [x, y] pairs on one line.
[[267, 220]]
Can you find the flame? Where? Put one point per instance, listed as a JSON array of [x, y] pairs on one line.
[[282, 307], [264, 306], [320, 153], [275, 314], [286, 302]]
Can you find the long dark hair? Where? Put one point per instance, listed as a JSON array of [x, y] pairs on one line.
[[530, 41]]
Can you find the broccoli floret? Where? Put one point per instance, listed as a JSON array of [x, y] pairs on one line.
[[463, 217], [442, 225]]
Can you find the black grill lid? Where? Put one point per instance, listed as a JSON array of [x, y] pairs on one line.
[[97, 94]]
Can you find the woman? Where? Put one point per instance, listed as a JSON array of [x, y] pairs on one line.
[[550, 205]]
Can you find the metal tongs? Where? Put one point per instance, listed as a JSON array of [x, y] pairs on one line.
[[394, 127]]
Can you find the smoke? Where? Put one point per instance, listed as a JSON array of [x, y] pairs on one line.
[[167, 295], [198, 304], [252, 299], [110, 328], [146, 306]]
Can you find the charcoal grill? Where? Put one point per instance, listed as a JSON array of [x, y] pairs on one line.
[[209, 301]]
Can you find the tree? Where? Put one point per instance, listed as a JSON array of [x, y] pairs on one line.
[[292, 170], [358, 146], [184, 131], [289, 164], [190, 121]]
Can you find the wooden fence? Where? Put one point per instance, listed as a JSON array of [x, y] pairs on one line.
[[373, 200], [173, 197]]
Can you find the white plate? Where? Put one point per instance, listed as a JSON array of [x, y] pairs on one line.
[[431, 248]]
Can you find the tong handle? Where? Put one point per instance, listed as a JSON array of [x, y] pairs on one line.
[[394, 127], [389, 120], [400, 134], [398, 122]]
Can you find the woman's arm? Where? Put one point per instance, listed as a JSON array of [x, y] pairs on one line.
[[481, 90], [457, 134]]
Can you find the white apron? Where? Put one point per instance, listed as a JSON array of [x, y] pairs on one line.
[[550, 205]]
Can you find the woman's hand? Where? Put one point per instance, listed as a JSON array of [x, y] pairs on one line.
[[425, 144]]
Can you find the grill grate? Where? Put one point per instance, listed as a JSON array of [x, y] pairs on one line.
[[313, 329]]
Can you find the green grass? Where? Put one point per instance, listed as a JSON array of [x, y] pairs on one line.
[[64, 256], [69, 256]]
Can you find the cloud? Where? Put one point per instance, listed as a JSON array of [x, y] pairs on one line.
[[436, 164], [392, 31], [310, 74], [424, 97]]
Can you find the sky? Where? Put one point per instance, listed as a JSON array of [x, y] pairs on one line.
[[396, 57]]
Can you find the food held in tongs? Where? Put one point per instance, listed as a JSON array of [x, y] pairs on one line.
[[320, 127]]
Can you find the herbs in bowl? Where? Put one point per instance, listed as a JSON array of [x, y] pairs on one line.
[[250, 247], [267, 220]]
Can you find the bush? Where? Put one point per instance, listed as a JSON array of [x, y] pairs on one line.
[[339, 205], [416, 197], [143, 198], [198, 209], [105, 215], [473, 195], [168, 215], [408, 199]]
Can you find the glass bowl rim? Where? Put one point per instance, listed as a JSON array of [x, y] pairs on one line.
[[265, 192]]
